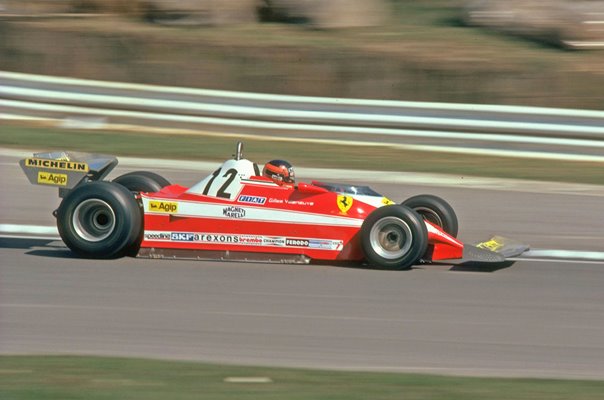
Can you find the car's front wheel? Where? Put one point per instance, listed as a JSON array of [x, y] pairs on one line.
[[99, 220], [435, 210], [142, 181], [394, 237]]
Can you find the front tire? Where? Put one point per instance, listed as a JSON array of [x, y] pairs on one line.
[[99, 220], [142, 181], [394, 237], [435, 210]]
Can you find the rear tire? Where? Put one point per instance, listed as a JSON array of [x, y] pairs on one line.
[[394, 237], [142, 181], [137, 182], [435, 210], [99, 220]]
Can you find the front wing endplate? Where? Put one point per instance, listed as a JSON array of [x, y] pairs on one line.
[[496, 250]]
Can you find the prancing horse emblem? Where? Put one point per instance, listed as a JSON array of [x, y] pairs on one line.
[[344, 203]]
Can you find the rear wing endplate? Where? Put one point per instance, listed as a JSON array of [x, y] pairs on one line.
[[65, 169]]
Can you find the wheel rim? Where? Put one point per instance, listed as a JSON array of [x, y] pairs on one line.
[[391, 238], [430, 215], [93, 220]]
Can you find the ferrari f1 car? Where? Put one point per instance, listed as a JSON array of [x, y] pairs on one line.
[[237, 214]]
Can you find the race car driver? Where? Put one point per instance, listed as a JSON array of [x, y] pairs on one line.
[[281, 172]]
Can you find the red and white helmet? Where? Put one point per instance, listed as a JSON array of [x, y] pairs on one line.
[[280, 171]]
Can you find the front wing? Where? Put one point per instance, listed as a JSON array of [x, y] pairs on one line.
[[496, 250]]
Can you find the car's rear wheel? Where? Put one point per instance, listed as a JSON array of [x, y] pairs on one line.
[[394, 237], [435, 210], [142, 181], [99, 220], [137, 182]]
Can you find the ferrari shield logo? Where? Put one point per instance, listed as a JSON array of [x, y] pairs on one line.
[[344, 203]]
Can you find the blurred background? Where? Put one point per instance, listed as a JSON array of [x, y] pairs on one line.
[[527, 52]]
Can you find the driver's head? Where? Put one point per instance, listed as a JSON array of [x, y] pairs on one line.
[[281, 172]]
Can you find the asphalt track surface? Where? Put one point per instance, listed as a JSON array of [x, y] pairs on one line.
[[541, 317]]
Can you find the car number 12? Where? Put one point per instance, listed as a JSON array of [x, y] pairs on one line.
[[218, 188]]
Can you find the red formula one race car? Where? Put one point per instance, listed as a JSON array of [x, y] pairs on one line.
[[237, 213]]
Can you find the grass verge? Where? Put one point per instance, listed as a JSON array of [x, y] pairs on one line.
[[91, 378], [219, 148]]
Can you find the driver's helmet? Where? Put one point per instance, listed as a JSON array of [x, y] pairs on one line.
[[280, 171]]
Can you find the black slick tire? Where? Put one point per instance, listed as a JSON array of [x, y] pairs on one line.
[[137, 182], [394, 237], [142, 181], [435, 210], [99, 220]]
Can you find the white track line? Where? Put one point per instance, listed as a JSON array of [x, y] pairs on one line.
[[564, 255], [555, 260], [28, 229]]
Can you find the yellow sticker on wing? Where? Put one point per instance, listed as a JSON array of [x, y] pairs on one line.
[[50, 178], [492, 245], [56, 164]]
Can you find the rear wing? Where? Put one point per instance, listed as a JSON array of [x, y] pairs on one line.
[[65, 169]]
